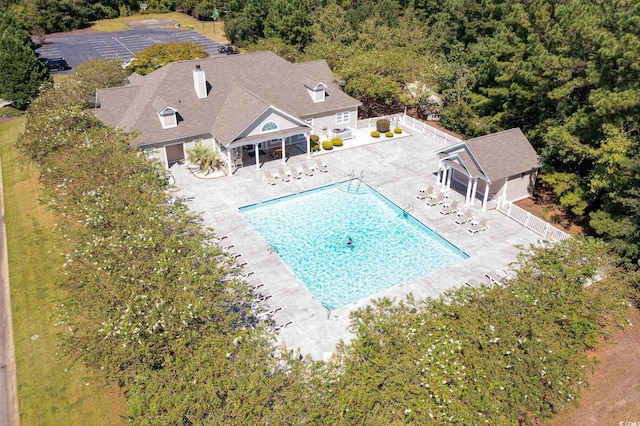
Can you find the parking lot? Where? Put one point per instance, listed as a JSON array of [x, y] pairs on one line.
[[78, 47]]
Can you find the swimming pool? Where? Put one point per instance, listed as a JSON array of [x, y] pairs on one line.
[[310, 231]]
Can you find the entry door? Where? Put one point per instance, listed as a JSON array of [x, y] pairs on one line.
[[175, 153]]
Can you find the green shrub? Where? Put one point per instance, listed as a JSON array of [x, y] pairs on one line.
[[383, 125], [10, 112], [314, 138], [397, 130], [375, 134], [389, 134], [336, 141], [327, 145], [315, 146]]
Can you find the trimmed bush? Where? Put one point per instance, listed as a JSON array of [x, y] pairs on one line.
[[315, 146], [397, 130], [314, 138], [336, 141], [389, 134], [375, 134], [327, 145], [383, 125]]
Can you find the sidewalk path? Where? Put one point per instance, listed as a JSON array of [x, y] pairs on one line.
[[9, 414]]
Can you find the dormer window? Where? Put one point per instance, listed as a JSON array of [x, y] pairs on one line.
[[317, 92], [269, 126], [168, 118]]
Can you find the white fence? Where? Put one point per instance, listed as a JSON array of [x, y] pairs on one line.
[[371, 122], [412, 123], [537, 225], [429, 130]]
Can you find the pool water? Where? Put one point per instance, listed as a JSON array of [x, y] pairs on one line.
[[310, 231]]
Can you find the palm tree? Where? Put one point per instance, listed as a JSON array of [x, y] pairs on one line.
[[204, 156]]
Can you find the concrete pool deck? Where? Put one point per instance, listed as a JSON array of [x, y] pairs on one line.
[[396, 168]]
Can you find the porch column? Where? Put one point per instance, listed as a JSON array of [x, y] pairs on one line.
[[256, 150], [467, 198], [474, 191], [450, 173], [486, 195], [306, 136], [439, 172], [443, 179], [229, 168], [284, 153]]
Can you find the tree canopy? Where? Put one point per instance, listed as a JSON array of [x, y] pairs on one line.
[[158, 55], [155, 305], [22, 75]]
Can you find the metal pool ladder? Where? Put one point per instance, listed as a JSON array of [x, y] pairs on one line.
[[355, 177]]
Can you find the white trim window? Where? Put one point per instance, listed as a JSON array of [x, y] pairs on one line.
[[343, 117], [269, 126]]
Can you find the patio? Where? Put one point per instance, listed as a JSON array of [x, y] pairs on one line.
[[395, 167], [297, 152]]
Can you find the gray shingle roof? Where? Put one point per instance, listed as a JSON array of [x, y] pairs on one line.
[[242, 86], [497, 156]]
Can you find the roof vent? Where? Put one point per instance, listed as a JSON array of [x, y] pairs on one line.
[[200, 82]]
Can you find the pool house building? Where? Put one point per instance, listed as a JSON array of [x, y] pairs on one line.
[[501, 165], [249, 108]]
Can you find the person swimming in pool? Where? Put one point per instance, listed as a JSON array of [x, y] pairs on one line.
[[349, 241]]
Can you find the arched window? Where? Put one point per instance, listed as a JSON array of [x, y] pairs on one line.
[[268, 126]]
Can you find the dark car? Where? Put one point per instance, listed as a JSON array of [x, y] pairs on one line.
[[56, 64]]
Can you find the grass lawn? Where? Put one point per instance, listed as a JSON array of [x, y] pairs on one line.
[[51, 390], [205, 28]]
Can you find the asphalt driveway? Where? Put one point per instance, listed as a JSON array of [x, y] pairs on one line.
[[79, 47]]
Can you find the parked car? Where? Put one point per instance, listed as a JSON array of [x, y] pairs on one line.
[[229, 50], [56, 64], [126, 63]]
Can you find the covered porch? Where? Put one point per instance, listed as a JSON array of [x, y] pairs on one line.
[[257, 150], [453, 175]]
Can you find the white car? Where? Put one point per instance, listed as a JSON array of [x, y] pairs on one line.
[[126, 63]]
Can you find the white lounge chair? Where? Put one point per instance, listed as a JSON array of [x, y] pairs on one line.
[[321, 166], [424, 193], [451, 208], [279, 327], [265, 315], [307, 171], [473, 283], [439, 199], [477, 227], [463, 217], [298, 169], [218, 240], [262, 298], [434, 194], [493, 277], [292, 173], [267, 177], [282, 175]]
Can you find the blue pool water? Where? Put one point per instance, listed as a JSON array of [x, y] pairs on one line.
[[310, 230]]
